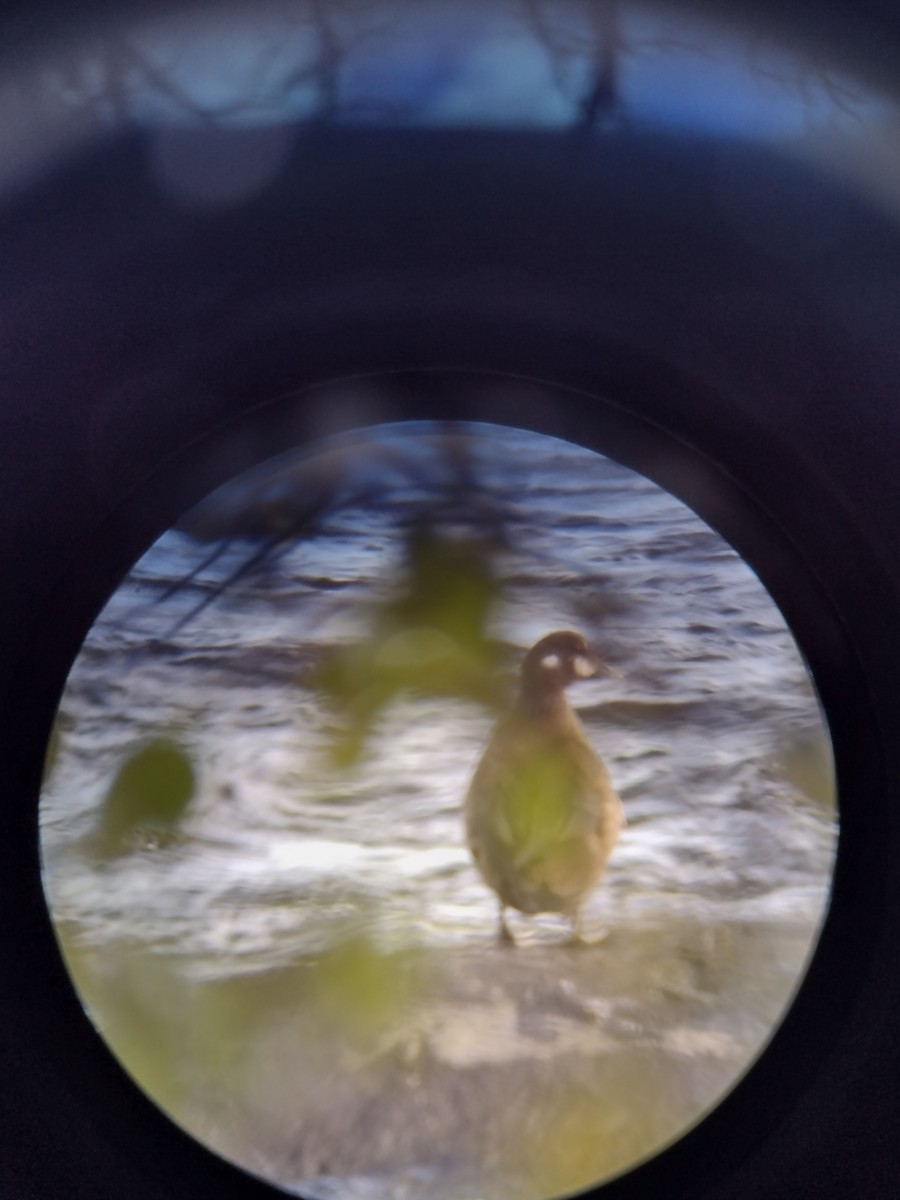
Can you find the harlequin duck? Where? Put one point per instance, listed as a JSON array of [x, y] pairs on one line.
[[542, 816]]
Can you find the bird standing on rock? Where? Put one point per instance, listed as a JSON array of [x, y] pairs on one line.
[[542, 816]]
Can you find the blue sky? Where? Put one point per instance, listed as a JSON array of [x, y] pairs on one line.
[[431, 62], [518, 64]]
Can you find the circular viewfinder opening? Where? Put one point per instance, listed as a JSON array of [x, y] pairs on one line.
[[376, 892]]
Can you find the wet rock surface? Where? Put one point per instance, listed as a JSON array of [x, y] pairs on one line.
[[514, 1072]]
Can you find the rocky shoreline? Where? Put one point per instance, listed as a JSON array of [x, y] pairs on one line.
[[496, 1073]]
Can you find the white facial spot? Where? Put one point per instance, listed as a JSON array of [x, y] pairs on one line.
[[584, 667], [550, 662]]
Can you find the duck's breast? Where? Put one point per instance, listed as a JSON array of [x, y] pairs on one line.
[[541, 815]]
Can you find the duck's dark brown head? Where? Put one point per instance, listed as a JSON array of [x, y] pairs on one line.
[[553, 663]]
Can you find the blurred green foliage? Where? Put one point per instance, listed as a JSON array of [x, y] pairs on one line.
[[538, 801], [210, 1051], [146, 800], [138, 1003], [806, 762], [542, 1078], [357, 992], [589, 1130], [430, 635]]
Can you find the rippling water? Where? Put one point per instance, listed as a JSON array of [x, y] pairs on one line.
[[279, 850]]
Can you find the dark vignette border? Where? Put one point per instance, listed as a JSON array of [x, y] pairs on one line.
[[132, 398]]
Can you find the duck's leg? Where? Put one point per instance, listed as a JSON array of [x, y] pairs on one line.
[[504, 937], [576, 938]]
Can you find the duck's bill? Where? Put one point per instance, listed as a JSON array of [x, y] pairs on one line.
[[589, 666]]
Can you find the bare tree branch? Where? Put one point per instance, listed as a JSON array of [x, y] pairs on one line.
[[602, 100]]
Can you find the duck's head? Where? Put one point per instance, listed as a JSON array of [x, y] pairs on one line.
[[557, 660]]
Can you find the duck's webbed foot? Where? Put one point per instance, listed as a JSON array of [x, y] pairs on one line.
[[576, 938], [576, 941]]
